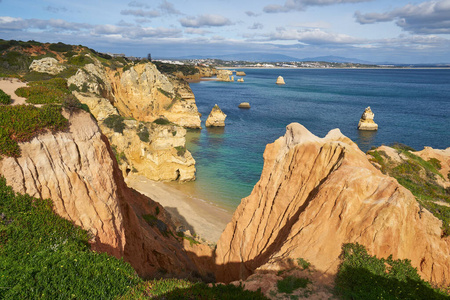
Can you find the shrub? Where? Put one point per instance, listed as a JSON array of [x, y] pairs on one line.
[[174, 289], [43, 92], [303, 263], [162, 121], [80, 60], [60, 47], [44, 256], [4, 98], [115, 122], [181, 150], [291, 283], [20, 123], [362, 276], [143, 133], [71, 103]]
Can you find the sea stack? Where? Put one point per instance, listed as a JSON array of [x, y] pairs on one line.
[[240, 73], [244, 105], [240, 80], [280, 80], [366, 122], [216, 118]]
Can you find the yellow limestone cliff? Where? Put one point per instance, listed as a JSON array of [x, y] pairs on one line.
[[315, 194]]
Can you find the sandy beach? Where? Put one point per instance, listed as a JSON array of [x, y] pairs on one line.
[[9, 86], [200, 217]]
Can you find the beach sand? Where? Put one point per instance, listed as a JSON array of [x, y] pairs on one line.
[[9, 86], [198, 216]]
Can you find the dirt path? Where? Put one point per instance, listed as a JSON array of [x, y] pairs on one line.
[[9, 86]]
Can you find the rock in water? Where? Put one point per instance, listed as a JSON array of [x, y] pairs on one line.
[[280, 80], [216, 118], [366, 122], [240, 73], [315, 194], [240, 80], [244, 105]]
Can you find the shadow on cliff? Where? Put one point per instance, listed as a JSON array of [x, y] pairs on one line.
[[173, 211]]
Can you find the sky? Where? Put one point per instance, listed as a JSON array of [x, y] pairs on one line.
[[400, 31]]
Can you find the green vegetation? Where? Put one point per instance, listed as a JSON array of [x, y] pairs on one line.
[[186, 70], [115, 122], [43, 256], [71, 103], [303, 263], [13, 62], [23, 122], [418, 176], [165, 93], [4, 98], [60, 47], [150, 219], [143, 133], [43, 92], [191, 240], [80, 60], [181, 150], [291, 283], [162, 121], [362, 276], [175, 289]]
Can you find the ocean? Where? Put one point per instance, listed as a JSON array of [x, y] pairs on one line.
[[411, 106]]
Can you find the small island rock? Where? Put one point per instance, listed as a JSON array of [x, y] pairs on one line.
[[240, 80], [366, 122], [240, 73], [244, 105], [280, 80], [216, 118]]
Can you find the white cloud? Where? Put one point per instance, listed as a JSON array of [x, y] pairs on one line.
[[251, 14], [299, 5], [138, 4], [140, 13], [196, 31], [430, 17], [314, 36], [256, 26], [9, 23], [205, 21], [169, 8]]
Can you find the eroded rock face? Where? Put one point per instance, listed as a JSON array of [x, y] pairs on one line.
[[216, 117], [366, 122], [280, 80], [46, 65], [443, 156], [77, 170], [316, 194]]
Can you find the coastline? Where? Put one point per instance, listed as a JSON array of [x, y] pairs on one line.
[[200, 217]]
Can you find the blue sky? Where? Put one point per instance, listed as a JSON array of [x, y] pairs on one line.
[[399, 31]]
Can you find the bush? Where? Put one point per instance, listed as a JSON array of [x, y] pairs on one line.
[[143, 133], [291, 283], [181, 150], [71, 103], [174, 289], [44, 256], [162, 121], [4, 98], [20, 123], [80, 60], [362, 276], [115, 122], [60, 47]]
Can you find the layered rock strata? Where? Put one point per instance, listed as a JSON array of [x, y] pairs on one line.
[[316, 194], [78, 172], [216, 118], [366, 122]]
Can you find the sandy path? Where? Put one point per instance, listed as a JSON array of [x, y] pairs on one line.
[[9, 86], [200, 217]]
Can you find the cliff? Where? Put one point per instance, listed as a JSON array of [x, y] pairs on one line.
[[77, 171], [315, 194], [156, 151]]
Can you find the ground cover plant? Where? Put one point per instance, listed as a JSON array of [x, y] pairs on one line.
[[53, 90], [4, 98], [362, 276], [175, 289], [43, 256], [21, 123], [115, 122]]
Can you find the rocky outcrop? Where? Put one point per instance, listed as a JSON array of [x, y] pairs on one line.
[[78, 172], [315, 194], [155, 151], [46, 65], [443, 156], [216, 118], [280, 80], [244, 105], [240, 73], [144, 93], [240, 80], [225, 75], [366, 122]]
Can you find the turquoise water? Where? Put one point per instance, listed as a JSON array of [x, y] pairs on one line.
[[410, 106]]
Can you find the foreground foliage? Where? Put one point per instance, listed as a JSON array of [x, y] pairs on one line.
[[21, 123], [45, 91], [362, 276], [43, 256], [175, 289], [4, 98]]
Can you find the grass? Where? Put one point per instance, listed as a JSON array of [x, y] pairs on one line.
[[4, 98], [43, 256], [174, 289], [289, 284], [362, 276], [21, 123], [44, 92]]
